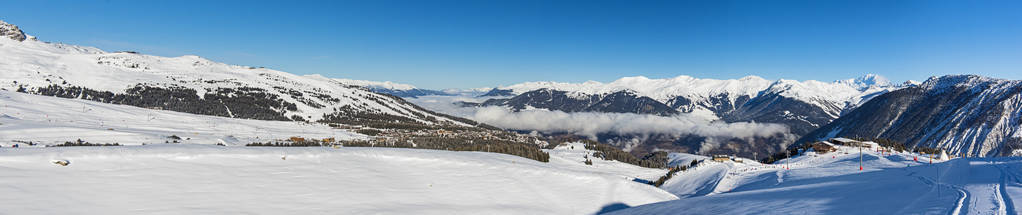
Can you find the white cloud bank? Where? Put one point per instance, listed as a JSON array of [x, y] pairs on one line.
[[590, 124]]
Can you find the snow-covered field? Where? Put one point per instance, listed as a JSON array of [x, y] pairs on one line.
[[205, 179], [208, 179], [51, 120]]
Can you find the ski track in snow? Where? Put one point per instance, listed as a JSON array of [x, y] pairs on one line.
[[891, 183], [1005, 202]]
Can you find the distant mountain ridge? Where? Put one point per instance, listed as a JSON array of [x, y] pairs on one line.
[[968, 115], [802, 105], [391, 88]]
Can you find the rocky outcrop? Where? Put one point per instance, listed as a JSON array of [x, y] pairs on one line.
[[11, 31]]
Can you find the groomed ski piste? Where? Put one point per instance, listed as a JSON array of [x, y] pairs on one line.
[[198, 177], [831, 183]]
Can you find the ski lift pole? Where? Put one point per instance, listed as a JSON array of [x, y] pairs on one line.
[[860, 158]]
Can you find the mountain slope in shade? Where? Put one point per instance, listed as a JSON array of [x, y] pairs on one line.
[[966, 114], [196, 85]]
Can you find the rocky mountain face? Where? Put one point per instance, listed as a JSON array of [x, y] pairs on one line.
[[196, 85], [11, 31], [966, 114]]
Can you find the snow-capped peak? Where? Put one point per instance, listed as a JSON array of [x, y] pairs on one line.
[[11, 31], [659, 89], [947, 81]]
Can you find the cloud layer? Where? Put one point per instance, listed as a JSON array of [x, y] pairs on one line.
[[591, 124]]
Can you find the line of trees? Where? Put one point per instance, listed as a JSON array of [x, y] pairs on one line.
[[244, 102], [526, 150], [608, 152], [670, 174], [79, 142], [887, 143]]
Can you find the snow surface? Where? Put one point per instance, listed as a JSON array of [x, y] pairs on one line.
[[196, 179], [891, 183]]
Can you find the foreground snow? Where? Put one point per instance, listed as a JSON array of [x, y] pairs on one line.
[[832, 184], [202, 179]]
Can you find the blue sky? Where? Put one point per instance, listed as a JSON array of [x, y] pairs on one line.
[[462, 44]]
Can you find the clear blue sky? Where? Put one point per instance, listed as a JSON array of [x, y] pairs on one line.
[[461, 44]]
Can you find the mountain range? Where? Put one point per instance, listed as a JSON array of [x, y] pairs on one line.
[[801, 105], [965, 114]]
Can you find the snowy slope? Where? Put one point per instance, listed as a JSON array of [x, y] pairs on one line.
[[891, 183], [49, 120], [658, 89], [966, 114], [834, 97], [192, 179], [32, 65]]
